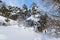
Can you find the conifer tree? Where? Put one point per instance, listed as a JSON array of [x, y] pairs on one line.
[[0, 1], [5, 11], [34, 8], [43, 22]]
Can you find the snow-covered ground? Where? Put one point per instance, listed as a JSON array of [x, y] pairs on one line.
[[14, 32], [11, 22], [20, 33], [34, 17]]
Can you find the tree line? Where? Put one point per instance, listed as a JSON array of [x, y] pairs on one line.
[[14, 12]]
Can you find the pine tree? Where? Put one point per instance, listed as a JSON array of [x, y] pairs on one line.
[[26, 12], [0, 1], [0, 5], [25, 8], [43, 21], [5, 11], [34, 8], [30, 11]]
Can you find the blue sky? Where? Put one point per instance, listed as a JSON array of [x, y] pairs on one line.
[[19, 3], [40, 3]]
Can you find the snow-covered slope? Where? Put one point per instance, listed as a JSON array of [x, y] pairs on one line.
[[11, 33], [14, 32], [11, 22]]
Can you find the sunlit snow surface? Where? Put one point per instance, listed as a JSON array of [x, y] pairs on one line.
[[34, 17], [14, 32], [20, 33]]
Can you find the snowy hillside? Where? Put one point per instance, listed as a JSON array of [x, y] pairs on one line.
[[14, 32], [11, 22], [11, 33]]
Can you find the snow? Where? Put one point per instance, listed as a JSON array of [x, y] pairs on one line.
[[14, 32], [34, 17], [11, 22], [2, 36], [2, 18], [18, 11], [13, 13]]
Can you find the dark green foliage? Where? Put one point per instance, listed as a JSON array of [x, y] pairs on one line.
[[14, 17], [24, 7], [5, 11], [0, 1], [43, 21], [58, 1], [39, 29]]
